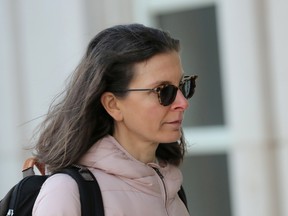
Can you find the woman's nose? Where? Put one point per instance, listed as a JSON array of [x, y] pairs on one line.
[[180, 101]]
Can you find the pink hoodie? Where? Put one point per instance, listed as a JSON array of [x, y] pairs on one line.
[[129, 187]]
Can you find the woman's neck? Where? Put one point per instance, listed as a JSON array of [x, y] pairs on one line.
[[140, 150]]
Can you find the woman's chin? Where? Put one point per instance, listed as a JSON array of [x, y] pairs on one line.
[[172, 137]]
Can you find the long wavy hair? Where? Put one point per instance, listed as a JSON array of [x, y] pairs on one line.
[[77, 119]]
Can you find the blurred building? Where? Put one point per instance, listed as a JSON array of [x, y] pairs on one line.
[[237, 161]]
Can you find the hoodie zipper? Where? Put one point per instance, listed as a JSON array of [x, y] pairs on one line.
[[164, 186]]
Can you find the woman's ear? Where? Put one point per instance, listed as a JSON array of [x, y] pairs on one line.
[[110, 104]]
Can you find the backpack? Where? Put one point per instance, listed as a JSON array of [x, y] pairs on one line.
[[20, 199]]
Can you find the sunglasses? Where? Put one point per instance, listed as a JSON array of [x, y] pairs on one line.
[[167, 93]]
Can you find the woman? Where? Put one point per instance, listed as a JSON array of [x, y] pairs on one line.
[[121, 117]]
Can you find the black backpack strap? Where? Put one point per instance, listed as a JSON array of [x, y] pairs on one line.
[[4, 203], [182, 195], [89, 190]]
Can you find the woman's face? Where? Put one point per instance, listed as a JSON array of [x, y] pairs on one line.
[[144, 118]]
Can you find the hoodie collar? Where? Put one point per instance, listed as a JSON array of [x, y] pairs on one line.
[[110, 157]]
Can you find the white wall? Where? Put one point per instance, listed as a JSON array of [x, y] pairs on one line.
[[255, 69], [41, 42], [278, 34], [248, 108]]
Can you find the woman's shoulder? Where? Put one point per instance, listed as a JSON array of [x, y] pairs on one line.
[[61, 192], [60, 181]]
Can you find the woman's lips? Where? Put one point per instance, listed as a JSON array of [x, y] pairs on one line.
[[176, 123]]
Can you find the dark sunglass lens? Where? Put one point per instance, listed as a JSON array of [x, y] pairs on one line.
[[187, 88], [168, 94]]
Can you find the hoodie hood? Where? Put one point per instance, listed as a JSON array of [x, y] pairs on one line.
[[108, 156]]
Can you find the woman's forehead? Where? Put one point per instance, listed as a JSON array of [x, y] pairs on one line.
[[164, 67]]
